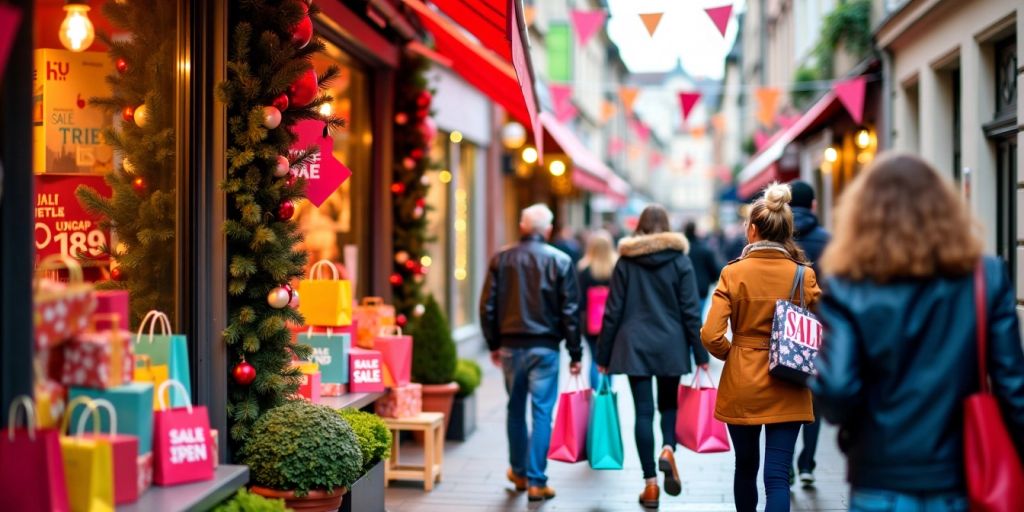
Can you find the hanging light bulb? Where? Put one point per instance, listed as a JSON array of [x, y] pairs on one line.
[[76, 32]]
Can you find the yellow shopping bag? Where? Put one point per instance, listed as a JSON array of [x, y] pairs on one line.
[[155, 373], [89, 464], [325, 302]]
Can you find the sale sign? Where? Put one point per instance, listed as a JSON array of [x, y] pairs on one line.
[[366, 371], [62, 224], [323, 173]]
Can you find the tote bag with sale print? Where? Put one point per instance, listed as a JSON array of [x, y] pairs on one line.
[[796, 337], [182, 443]]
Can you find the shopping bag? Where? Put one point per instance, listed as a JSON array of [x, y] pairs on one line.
[[99, 358], [181, 441], [325, 302], [604, 436], [696, 426], [165, 348], [31, 468], [371, 315], [134, 404], [396, 350], [60, 309], [569, 436], [124, 451], [366, 371], [330, 352], [597, 297], [155, 374], [112, 302], [309, 385], [796, 337], [88, 464]]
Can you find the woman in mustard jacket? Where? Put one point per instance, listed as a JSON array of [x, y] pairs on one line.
[[748, 398]]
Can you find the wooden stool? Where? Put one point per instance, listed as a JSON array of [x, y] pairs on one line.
[[432, 426]]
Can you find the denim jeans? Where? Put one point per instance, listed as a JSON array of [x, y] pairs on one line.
[[780, 439], [533, 373], [872, 500]]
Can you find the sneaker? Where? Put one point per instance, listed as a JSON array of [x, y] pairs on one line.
[[807, 478], [537, 493]]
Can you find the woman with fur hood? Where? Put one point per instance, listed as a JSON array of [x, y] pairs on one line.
[[650, 329]]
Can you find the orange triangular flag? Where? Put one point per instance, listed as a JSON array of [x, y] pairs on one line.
[[607, 111], [767, 104], [529, 12], [628, 97], [651, 21]]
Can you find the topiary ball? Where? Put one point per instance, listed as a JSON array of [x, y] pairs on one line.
[[468, 375], [300, 446], [374, 436]]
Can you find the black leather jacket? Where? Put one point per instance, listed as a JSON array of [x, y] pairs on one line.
[[897, 363], [531, 299]]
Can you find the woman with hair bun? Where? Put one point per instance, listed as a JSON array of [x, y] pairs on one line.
[[748, 398]]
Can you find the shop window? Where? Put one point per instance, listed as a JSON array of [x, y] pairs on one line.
[[1002, 134], [437, 219], [464, 224]]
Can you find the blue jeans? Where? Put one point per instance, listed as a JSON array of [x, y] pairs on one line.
[[530, 372], [780, 439], [872, 500], [592, 343]]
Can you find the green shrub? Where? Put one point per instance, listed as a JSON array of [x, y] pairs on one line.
[[299, 446], [433, 350], [245, 501], [374, 436], [468, 375], [849, 23]]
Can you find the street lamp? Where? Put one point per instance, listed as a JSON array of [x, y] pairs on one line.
[[513, 136]]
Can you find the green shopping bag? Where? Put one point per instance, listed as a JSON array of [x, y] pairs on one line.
[[165, 349], [604, 437]]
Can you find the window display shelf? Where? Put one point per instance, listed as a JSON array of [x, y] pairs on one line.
[[353, 400], [196, 496]]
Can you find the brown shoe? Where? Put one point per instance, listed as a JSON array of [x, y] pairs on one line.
[[649, 498], [667, 464], [519, 481], [540, 493]]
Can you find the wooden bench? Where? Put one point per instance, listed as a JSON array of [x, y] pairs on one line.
[[432, 426]]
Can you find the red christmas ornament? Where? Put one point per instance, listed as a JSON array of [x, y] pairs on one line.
[[303, 90], [423, 100], [416, 153], [398, 188], [423, 113], [421, 203], [244, 373], [396, 279], [410, 264], [401, 118], [401, 320], [285, 211], [139, 184], [121, 65], [116, 274], [408, 163], [281, 102], [128, 114], [302, 32]]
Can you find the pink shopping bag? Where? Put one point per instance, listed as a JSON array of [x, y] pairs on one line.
[[569, 437], [396, 350], [597, 297], [696, 426], [182, 443], [31, 468]]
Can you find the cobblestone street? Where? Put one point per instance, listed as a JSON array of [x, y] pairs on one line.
[[474, 471]]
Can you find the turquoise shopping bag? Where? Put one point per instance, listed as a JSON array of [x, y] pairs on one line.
[[604, 437], [164, 348]]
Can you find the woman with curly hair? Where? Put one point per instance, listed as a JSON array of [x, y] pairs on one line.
[[900, 349]]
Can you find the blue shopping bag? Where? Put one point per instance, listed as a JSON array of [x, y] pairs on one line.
[[165, 349], [604, 436]]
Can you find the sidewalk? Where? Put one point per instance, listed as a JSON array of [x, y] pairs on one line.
[[474, 471]]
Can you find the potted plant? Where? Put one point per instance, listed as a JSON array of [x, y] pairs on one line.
[[433, 360], [367, 493], [245, 501], [468, 375], [303, 453]]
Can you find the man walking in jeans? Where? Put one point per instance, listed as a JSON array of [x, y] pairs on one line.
[[529, 305]]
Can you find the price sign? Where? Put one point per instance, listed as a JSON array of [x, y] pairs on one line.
[[323, 173], [62, 224]]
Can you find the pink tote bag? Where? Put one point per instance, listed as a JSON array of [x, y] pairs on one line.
[[696, 426], [597, 297], [569, 437]]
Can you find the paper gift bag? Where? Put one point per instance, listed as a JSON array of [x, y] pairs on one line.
[[604, 435], [165, 348], [124, 452], [396, 349], [696, 426], [60, 309], [155, 374], [325, 302], [181, 441], [371, 314], [401, 402], [309, 386], [99, 358], [569, 436], [31, 469], [330, 352], [366, 371], [134, 404], [145, 473], [112, 303], [89, 464]]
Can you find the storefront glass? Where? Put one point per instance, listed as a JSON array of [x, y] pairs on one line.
[[437, 219], [464, 224]]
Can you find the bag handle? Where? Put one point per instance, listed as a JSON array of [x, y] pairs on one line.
[[695, 384], [88, 402], [604, 383], [54, 261], [389, 330], [104, 404], [372, 301], [177, 385], [314, 272], [152, 317], [798, 284], [30, 417], [309, 332], [981, 324], [575, 382], [146, 361]]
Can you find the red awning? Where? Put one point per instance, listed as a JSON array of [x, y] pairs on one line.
[[499, 64], [588, 171]]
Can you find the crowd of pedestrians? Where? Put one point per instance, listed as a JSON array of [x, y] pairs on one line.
[[899, 288]]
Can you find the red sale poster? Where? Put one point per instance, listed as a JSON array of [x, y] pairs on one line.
[[323, 173], [62, 224]]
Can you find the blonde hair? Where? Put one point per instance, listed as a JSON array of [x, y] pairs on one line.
[[773, 218], [600, 255], [900, 219]]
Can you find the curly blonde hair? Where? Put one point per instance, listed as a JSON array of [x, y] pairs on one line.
[[900, 219]]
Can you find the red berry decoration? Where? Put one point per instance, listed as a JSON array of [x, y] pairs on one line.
[[410, 264], [401, 118], [121, 65], [139, 184], [421, 203], [398, 188], [116, 274], [423, 100], [280, 102], [244, 373], [408, 163], [396, 279], [401, 320], [285, 211], [128, 114], [303, 90]]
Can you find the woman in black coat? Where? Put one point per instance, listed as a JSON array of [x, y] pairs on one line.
[[651, 327]]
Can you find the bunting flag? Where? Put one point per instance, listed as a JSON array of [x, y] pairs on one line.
[[615, 145], [607, 111], [767, 104], [720, 17], [718, 122], [529, 14], [851, 95], [643, 133], [628, 97], [561, 101], [687, 100], [760, 140], [787, 121], [697, 132], [651, 21], [586, 24]]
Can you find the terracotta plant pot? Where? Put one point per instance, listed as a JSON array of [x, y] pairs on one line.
[[315, 501], [439, 398]]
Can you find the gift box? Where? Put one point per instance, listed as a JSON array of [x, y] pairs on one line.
[[371, 314], [396, 349], [99, 359], [332, 389], [145, 464], [50, 399], [111, 304], [401, 402], [309, 385], [60, 309], [366, 371], [330, 352], [134, 405]]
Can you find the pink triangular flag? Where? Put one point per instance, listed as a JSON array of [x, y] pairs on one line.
[[586, 24], [720, 17], [787, 121], [760, 140], [687, 100], [561, 100], [566, 113], [615, 145], [851, 95], [651, 21], [642, 131]]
